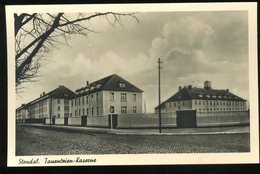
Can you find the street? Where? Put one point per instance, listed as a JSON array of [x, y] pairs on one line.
[[42, 141]]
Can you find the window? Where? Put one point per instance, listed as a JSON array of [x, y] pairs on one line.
[[70, 114], [112, 96], [134, 109], [76, 113], [79, 101], [174, 104], [58, 108], [79, 112], [183, 103], [87, 100], [97, 111], [58, 115], [58, 100], [122, 85], [97, 97], [83, 111], [195, 102], [75, 102], [92, 98], [87, 111], [66, 108], [83, 101], [123, 96], [123, 109], [134, 97]]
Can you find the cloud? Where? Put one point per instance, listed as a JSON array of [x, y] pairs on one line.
[[184, 34]]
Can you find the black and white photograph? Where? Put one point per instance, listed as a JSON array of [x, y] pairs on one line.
[[128, 84]]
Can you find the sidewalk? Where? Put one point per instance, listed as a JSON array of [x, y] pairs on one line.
[[154, 131]]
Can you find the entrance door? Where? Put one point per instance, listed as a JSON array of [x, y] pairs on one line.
[[66, 120], [53, 121], [114, 120], [84, 120], [186, 118]]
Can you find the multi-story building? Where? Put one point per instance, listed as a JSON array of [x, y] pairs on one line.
[[203, 100], [111, 94], [52, 104], [22, 112]]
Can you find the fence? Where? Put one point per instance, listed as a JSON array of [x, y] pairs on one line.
[[148, 120], [98, 121], [145, 121], [222, 120]]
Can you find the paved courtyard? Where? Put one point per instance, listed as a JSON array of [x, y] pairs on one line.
[[44, 141]]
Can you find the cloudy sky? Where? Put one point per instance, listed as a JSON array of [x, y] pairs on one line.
[[194, 47]]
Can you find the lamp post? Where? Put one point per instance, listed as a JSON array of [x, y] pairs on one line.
[[111, 110], [159, 93]]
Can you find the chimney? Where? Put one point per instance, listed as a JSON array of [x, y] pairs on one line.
[[189, 86], [179, 88], [207, 85], [87, 83], [227, 90], [43, 93], [40, 95]]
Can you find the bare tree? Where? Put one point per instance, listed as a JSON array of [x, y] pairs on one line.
[[36, 34]]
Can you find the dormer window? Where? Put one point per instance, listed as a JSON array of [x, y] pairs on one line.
[[208, 96], [92, 87], [86, 90], [213, 96], [200, 95], [98, 85], [122, 85]]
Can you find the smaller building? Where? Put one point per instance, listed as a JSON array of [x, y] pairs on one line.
[[52, 104], [22, 112], [203, 100]]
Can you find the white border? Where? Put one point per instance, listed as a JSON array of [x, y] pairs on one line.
[[143, 159]]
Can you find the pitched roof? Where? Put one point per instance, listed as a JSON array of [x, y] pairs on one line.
[[189, 93], [60, 92], [111, 83]]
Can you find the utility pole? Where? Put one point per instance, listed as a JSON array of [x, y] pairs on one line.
[[159, 91]]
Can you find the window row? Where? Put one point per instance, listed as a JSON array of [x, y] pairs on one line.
[[221, 109], [87, 99], [220, 103], [210, 103], [81, 100], [96, 111], [123, 97]]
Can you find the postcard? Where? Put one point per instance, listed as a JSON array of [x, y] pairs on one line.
[[132, 84]]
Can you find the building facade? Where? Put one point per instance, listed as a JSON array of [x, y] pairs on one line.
[[22, 112], [203, 100], [52, 104], [111, 94]]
